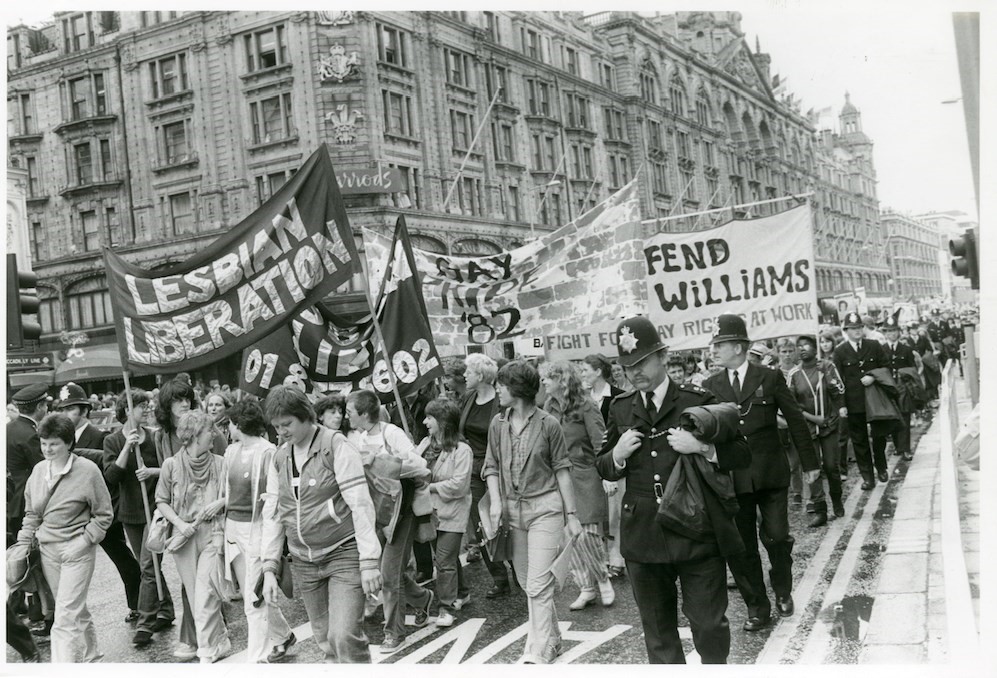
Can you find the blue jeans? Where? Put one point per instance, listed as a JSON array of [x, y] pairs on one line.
[[399, 587], [334, 598]]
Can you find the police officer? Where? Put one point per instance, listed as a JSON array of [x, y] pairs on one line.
[[643, 445], [855, 358], [760, 393], [899, 355]]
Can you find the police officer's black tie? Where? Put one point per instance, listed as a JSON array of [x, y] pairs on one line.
[[651, 407], [736, 385]]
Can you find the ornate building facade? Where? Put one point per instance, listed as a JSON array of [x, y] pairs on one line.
[[153, 132], [912, 254]]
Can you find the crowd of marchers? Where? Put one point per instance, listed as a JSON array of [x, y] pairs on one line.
[[365, 512]]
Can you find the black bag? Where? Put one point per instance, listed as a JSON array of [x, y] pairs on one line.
[[683, 506], [284, 579]]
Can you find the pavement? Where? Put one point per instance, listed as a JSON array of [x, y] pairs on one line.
[[910, 619]]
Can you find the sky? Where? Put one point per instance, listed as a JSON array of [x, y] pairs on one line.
[[895, 57]]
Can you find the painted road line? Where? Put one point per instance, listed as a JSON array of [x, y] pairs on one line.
[[787, 628], [461, 636], [820, 640], [587, 640], [499, 644]]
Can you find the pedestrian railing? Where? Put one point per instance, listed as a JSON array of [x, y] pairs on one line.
[[963, 636]]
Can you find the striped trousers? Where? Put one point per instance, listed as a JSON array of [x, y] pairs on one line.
[[588, 561]]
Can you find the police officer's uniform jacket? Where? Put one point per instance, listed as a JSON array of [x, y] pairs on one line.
[[647, 470]]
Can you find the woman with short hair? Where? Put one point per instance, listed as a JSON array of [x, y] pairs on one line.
[[68, 510], [528, 472], [245, 467], [190, 495], [331, 412], [584, 430], [317, 499], [217, 405]]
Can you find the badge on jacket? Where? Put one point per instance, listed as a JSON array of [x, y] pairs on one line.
[[759, 393]]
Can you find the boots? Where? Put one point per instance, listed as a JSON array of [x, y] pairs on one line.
[[839, 508]]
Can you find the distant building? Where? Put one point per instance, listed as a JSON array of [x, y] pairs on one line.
[[949, 225], [912, 249]]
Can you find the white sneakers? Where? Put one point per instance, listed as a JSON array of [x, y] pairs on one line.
[[583, 599], [444, 619], [223, 650], [185, 651], [606, 593]]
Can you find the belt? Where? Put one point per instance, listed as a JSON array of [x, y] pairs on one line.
[[656, 493]]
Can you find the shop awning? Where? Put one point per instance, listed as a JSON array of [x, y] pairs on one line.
[[22, 379], [97, 363]]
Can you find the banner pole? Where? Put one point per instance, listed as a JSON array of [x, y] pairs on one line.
[[728, 207], [384, 347], [471, 146], [145, 495]]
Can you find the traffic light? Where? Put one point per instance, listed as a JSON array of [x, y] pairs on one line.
[[22, 300], [964, 258]]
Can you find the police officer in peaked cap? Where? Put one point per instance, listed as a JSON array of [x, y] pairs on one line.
[[24, 449], [760, 394], [643, 444], [904, 364]]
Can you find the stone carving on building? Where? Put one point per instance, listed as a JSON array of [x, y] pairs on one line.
[[344, 123], [742, 67], [339, 65], [340, 18]]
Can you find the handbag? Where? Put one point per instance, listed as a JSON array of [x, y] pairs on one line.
[[24, 564], [160, 531], [284, 579]]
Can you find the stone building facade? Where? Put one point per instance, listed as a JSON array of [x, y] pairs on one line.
[[912, 254], [154, 132]]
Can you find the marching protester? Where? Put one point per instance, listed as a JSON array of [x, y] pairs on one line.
[[597, 374], [123, 471], [819, 391], [644, 444], [454, 384], [760, 395], [854, 359], [68, 510], [786, 351], [331, 413], [89, 443], [903, 364], [370, 435], [584, 429], [827, 343], [677, 369], [217, 404], [528, 472], [620, 380], [190, 495], [317, 502], [449, 488], [244, 471], [477, 409], [23, 453]]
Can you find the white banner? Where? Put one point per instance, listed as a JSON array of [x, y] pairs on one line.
[[762, 270]]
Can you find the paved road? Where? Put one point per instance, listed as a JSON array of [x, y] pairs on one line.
[[835, 570]]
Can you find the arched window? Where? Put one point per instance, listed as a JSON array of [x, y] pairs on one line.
[[648, 83], [676, 96], [89, 304]]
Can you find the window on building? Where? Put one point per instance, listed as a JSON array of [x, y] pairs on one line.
[[492, 26], [548, 154], [709, 154], [503, 141], [676, 96], [397, 113], [168, 75], [648, 85], [391, 45], [89, 309], [90, 227], [113, 222], [272, 119], [614, 124], [265, 49], [50, 315], [550, 208], [458, 67], [34, 183], [77, 32], [106, 162], [84, 163], [688, 180], [606, 76], [703, 109], [25, 114], [458, 16], [659, 177], [469, 196], [268, 184], [712, 188], [578, 111], [570, 56], [538, 97], [654, 138], [181, 213], [410, 192], [173, 147], [79, 98], [461, 129], [37, 240], [513, 205], [99, 94], [682, 144], [153, 18], [532, 46], [497, 79]]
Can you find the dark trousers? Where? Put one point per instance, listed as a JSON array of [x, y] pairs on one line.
[[150, 607], [827, 448], [117, 550], [500, 575], [842, 440], [18, 635], [901, 435], [423, 553], [858, 431], [704, 603], [747, 566]]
